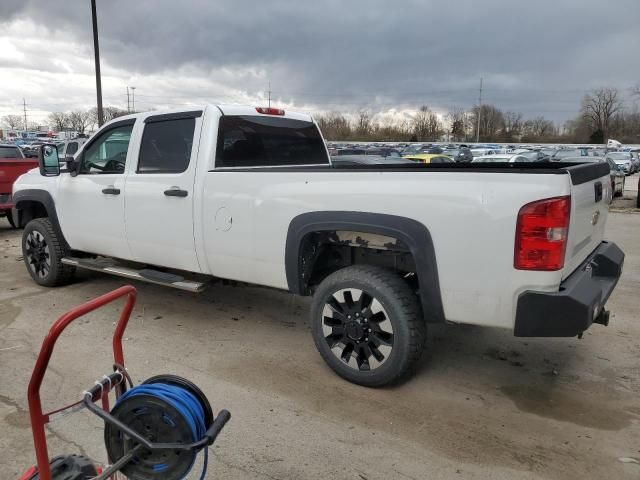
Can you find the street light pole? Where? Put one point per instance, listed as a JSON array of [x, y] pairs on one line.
[[96, 52], [479, 112], [133, 99]]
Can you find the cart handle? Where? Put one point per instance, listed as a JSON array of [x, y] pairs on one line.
[[38, 420]]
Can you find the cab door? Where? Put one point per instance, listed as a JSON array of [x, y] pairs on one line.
[[159, 193], [90, 205]]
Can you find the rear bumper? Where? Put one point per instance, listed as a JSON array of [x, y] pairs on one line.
[[6, 202], [579, 302]]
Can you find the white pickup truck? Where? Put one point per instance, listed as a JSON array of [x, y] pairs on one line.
[[249, 194]]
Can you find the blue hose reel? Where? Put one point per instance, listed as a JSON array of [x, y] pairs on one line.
[[157, 429]]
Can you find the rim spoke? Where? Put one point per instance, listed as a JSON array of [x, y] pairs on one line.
[[381, 338]]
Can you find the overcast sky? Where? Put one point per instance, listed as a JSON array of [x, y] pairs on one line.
[[536, 57]]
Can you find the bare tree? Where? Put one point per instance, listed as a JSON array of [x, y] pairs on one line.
[[59, 121], [538, 129], [512, 126], [13, 121], [598, 107], [109, 113], [334, 126], [457, 118], [421, 123], [491, 121], [80, 120], [364, 126]]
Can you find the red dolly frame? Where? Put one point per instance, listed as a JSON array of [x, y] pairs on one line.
[[40, 419]]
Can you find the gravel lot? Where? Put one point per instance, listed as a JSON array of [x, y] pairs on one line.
[[483, 404]]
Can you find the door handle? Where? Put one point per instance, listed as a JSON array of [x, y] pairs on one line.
[[176, 192], [111, 190]]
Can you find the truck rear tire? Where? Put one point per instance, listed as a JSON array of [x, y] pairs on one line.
[[367, 324], [42, 252]]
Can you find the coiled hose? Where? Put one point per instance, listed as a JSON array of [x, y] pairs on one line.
[[185, 403]]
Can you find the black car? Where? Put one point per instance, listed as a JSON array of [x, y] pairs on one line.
[[461, 154]]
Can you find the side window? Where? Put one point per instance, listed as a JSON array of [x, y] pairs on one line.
[[60, 147], [166, 146], [108, 153], [72, 148]]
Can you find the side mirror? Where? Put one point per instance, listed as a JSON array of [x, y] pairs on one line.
[[48, 160], [72, 165]]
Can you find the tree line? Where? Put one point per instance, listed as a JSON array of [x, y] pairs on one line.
[[602, 115], [80, 121]]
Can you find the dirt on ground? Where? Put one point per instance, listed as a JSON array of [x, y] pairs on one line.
[[482, 404]]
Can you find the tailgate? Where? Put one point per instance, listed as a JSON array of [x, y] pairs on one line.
[[11, 169], [590, 195]]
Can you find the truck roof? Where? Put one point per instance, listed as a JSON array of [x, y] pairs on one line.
[[226, 109]]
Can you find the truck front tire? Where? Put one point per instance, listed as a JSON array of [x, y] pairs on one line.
[[42, 252], [367, 324]]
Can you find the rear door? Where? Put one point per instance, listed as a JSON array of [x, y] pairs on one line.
[[160, 192]]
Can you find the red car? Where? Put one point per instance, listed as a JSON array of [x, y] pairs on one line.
[[12, 164]]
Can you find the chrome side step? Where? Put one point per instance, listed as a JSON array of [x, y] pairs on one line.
[[107, 265]]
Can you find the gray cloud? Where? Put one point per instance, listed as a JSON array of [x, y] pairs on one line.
[[536, 57]]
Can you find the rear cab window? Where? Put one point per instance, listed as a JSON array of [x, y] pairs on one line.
[[267, 141]]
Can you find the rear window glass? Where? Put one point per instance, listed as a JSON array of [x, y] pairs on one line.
[[10, 152], [255, 141], [166, 146]]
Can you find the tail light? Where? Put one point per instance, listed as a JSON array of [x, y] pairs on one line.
[[270, 111], [541, 234]]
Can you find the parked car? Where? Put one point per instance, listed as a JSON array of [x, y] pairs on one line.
[[480, 152], [559, 155], [383, 152], [501, 158], [462, 154], [249, 194], [623, 159], [430, 158], [414, 149], [617, 178], [350, 151], [635, 161], [12, 164], [535, 156], [368, 160]]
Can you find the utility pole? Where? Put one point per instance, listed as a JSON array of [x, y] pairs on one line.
[[128, 104], [133, 99], [96, 52], [269, 91], [479, 113], [24, 109]]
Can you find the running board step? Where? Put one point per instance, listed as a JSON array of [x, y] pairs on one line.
[[107, 265]]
